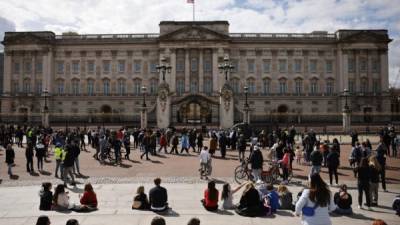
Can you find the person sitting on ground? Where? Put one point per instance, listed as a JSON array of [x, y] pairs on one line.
[[343, 201], [194, 221], [140, 201], [285, 198], [210, 201], [378, 222], [227, 196], [43, 220], [158, 221], [250, 204], [262, 189], [72, 222], [46, 196], [396, 205], [61, 200], [89, 198], [273, 198], [158, 197]]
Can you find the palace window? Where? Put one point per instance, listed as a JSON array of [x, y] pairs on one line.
[[121, 66], [180, 86], [106, 66], [298, 86], [153, 67], [15, 87], [313, 66], [314, 87], [236, 86], [137, 66], [282, 65], [106, 87], [251, 66], [252, 86], [208, 86], [39, 67], [153, 86], [364, 86], [60, 87], [375, 65], [235, 64], [350, 65], [121, 87], [90, 87], [351, 86], [267, 66], [282, 86], [376, 88], [75, 67], [26, 86], [207, 65], [28, 67], [194, 86], [297, 65], [180, 65], [329, 66], [16, 67], [60, 67], [193, 65], [91, 66], [137, 86], [39, 87], [330, 87], [266, 86], [363, 65], [75, 87]]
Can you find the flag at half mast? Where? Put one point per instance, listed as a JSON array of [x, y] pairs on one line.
[[190, 1]]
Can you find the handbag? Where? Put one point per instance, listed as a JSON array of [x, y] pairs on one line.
[[309, 211]]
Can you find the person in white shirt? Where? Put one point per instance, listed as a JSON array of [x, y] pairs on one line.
[[319, 198], [205, 162]]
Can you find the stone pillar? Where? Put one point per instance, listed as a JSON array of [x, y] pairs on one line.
[[172, 77], [187, 71], [215, 71], [143, 118], [163, 106], [201, 71], [384, 70], [6, 100], [346, 120], [226, 103], [246, 115]]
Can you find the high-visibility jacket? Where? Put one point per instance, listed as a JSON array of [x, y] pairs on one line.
[[59, 153]]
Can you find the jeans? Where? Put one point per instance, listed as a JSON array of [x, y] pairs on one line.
[[333, 171], [68, 171], [373, 189], [315, 169], [9, 169], [29, 164], [383, 177], [59, 166], [363, 187], [256, 174], [40, 163], [146, 152], [285, 173], [76, 162]]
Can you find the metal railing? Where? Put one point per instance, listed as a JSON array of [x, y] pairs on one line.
[[296, 36], [106, 36]]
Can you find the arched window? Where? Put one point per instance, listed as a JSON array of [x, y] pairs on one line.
[[364, 86], [90, 87], [313, 86], [153, 86], [27, 86], [236, 85], [282, 86], [60, 87], [266, 86], [121, 87], [106, 87], [298, 86], [330, 86], [75, 87], [137, 86], [251, 85]]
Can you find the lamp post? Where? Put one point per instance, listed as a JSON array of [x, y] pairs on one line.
[[246, 118], [45, 121], [346, 113], [143, 112], [226, 67], [164, 68]]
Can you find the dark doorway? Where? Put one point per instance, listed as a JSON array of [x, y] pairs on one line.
[[106, 113], [282, 114], [23, 115], [367, 115]]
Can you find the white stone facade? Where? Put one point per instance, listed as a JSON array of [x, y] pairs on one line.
[[291, 77]]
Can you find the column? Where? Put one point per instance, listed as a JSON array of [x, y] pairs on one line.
[[346, 120], [172, 77], [143, 118], [215, 71], [47, 70], [187, 70], [7, 72], [384, 70], [201, 71]]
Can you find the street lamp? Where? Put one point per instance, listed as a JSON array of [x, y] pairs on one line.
[[144, 96], [346, 94], [163, 67], [226, 67], [45, 93], [246, 91]]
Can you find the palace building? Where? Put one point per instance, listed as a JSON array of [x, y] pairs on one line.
[[290, 77]]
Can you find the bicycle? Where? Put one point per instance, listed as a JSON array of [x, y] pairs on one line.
[[272, 175]]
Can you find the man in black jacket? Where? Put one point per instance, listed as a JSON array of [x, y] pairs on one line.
[[316, 161], [158, 197], [256, 160], [68, 163], [333, 161]]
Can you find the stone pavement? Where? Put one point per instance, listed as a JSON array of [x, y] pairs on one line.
[[19, 206]]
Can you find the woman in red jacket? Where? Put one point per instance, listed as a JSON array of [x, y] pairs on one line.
[[285, 165], [89, 198], [210, 201], [163, 143]]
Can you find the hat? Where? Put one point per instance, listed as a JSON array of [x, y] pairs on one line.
[[58, 144]]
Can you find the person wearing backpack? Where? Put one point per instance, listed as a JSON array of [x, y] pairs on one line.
[[355, 157]]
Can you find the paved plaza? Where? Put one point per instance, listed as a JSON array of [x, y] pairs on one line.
[[116, 186]]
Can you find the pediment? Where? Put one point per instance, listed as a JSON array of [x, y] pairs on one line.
[[366, 36], [193, 33]]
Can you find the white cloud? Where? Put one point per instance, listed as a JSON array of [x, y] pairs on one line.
[[138, 16]]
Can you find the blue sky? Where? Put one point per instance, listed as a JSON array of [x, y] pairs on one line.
[[270, 16]]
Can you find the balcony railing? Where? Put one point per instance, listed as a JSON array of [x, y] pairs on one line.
[[286, 36], [107, 36]]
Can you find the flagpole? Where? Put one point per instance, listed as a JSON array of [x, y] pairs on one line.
[[193, 11]]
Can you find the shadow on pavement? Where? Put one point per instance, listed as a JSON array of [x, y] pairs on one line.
[[14, 177], [224, 212], [45, 173], [169, 213], [284, 213]]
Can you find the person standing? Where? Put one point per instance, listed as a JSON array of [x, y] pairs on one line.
[[241, 147], [185, 143], [222, 144], [363, 180], [199, 141], [59, 155], [163, 143], [256, 160], [10, 156], [127, 144], [29, 158], [146, 145], [213, 144], [375, 169], [192, 140], [333, 162], [316, 161], [40, 154], [285, 165], [381, 157], [68, 163], [175, 143]]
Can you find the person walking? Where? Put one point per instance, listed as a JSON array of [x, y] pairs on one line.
[[213, 144], [333, 162], [184, 143], [59, 155], [175, 143], [29, 158], [316, 161], [375, 169], [363, 181], [146, 145], [199, 141], [222, 144], [127, 144], [76, 151], [10, 156], [68, 163], [381, 151], [192, 140], [163, 143], [256, 161]]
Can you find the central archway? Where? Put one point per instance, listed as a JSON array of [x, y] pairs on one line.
[[194, 109], [106, 113], [282, 113]]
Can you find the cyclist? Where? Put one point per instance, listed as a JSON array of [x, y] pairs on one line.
[[205, 162]]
